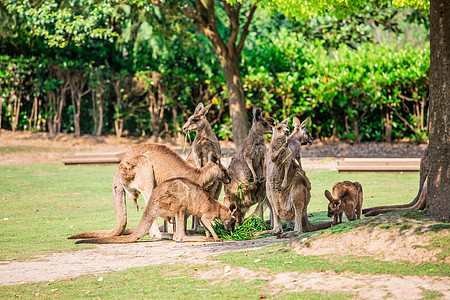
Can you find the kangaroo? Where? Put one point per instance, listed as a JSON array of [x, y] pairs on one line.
[[175, 198], [347, 197], [288, 203], [300, 136], [246, 168], [204, 143], [144, 167]]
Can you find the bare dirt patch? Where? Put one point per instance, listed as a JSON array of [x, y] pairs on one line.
[[408, 240]]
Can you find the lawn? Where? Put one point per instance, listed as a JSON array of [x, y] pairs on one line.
[[42, 204]]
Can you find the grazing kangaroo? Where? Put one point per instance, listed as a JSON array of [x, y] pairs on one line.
[[288, 203], [246, 168], [144, 167], [175, 198], [347, 197], [204, 143], [418, 203]]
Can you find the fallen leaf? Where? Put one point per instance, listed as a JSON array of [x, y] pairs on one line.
[[262, 297], [37, 294], [53, 290], [288, 262], [5, 219], [88, 292], [227, 269], [257, 261], [100, 279]]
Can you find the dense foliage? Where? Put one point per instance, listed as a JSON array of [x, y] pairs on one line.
[[132, 69]]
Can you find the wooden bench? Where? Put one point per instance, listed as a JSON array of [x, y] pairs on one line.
[[378, 165], [93, 158]]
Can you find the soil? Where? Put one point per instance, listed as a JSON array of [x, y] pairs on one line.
[[24, 148]]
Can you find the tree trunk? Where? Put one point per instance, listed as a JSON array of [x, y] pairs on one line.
[[236, 99], [438, 199]]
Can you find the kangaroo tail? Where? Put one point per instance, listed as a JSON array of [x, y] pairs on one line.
[[373, 211], [121, 213], [95, 234], [146, 222], [316, 226], [137, 233]]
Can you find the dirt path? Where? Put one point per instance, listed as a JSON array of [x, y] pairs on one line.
[[106, 258], [115, 257]]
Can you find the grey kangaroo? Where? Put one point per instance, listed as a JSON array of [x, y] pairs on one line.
[[246, 168], [289, 203], [204, 143]]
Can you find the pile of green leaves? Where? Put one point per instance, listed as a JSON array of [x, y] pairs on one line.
[[243, 232]]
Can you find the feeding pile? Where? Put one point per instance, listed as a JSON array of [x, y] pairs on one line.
[[243, 232]]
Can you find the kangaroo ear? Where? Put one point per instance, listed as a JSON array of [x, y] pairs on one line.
[[198, 108], [328, 195], [226, 201], [205, 109], [271, 121], [285, 121], [339, 202], [256, 113], [304, 123], [295, 122]]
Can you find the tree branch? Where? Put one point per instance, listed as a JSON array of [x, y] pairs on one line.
[[245, 29], [233, 15], [186, 11]]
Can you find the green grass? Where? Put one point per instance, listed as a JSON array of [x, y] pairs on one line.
[[284, 259], [46, 203], [156, 282], [430, 294], [42, 204]]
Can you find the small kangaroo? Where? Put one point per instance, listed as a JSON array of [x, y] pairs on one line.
[[144, 167], [204, 143], [247, 166], [175, 198], [347, 197], [290, 202]]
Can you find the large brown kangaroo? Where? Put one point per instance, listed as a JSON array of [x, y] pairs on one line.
[[419, 201], [144, 167], [246, 168], [290, 202], [175, 198]]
